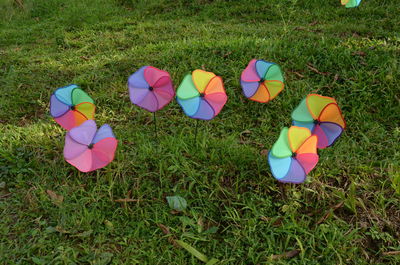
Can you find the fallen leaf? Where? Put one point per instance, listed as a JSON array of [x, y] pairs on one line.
[[336, 77], [56, 199], [360, 53], [315, 70], [127, 200], [313, 23], [61, 230], [266, 219], [177, 203], [331, 210], [166, 231], [264, 152], [289, 254], [391, 253]]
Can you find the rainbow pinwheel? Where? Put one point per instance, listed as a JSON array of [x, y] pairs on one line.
[[294, 155], [150, 88], [351, 3], [87, 148], [70, 106], [322, 116], [201, 95], [261, 81]]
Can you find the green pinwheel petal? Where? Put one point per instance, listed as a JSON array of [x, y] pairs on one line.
[[301, 112], [281, 148], [274, 73], [187, 89], [80, 96]]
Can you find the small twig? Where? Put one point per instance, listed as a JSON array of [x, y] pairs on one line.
[[391, 253]]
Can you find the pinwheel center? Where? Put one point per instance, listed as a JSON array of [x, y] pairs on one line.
[[151, 88], [294, 155], [262, 80], [202, 95], [316, 122], [72, 108], [90, 146]]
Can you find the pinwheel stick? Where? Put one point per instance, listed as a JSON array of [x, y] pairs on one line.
[[195, 132], [155, 123]]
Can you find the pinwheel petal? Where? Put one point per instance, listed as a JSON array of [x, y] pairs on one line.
[[309, 146], [216, 101], [103, 153], [262, 67], [308, 125], [189, 106], [79, 96], [153, 75], [57, 108], [138, 94], [301, 113], [307, 161], [274, 88], [332, 113], [105, 131], [73, 149], [296, 173], [70, 119], [316, 103], [279, 166], [86, 109], [84, 133], [322, 139], [250, 73], [281, 148], [297, 136], [187, 89], [201, 79], [83, 162], [332, 131], [262, 94], [137, 80], [149, 102], [343, 2], [216, 85], [163, 91], [274, 73], [64, 94], [249, 88], [205, 111]]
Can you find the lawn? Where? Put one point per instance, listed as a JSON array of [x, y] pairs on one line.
[[347, 211]]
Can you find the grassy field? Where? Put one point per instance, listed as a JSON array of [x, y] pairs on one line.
[[348, 210]]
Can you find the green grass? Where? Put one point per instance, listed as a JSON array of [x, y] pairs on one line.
[[237, 212]]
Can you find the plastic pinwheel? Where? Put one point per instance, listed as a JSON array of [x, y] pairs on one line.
[[322, 116], [351, 3], [293, 155], [87, 148], [150, 88], [262, 81], [70, 106], [201, 95]]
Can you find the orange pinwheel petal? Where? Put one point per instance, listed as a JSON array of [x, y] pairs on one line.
[[309, 146], [216, 85], [316, 103], [262, 94], [332, 113], [297, 136]]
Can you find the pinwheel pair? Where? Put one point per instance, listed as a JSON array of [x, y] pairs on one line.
[[84, 148], [201, 94], [351, 3], [317, 123]]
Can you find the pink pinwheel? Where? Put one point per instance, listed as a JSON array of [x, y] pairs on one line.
[[87, 148], [150, 88]]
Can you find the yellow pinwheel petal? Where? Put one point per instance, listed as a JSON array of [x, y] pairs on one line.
[[297, 136], [316, 103], [201, 79]]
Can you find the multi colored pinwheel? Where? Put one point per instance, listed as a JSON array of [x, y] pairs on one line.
[[261, 81], [351, 3], [70, 106], [322, 116], [201, 95], [87, 148], [150, 88], [294, 155]]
